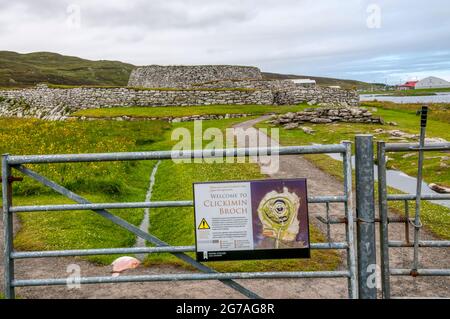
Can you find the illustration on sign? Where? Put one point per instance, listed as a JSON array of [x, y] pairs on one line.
[[265, 219]]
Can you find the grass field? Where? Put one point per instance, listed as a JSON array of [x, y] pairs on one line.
[[180, 111], [19, 70], [438, 126], [119, 181], [436, 218], [416, 92], [127, 181], [437, 112]]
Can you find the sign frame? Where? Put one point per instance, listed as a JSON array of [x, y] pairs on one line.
[[258, 253]]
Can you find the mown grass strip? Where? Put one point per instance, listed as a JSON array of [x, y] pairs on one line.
[[100, 182], [181, 111]]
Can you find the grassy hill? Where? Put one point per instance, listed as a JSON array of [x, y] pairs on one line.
[[348, 84], [20, 70]]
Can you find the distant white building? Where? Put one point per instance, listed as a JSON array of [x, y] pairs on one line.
[[305, 82], [432, 82]]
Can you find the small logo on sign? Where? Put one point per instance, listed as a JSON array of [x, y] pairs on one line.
[[203, 224]]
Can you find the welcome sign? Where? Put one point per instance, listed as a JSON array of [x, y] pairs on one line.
[[266, 219]]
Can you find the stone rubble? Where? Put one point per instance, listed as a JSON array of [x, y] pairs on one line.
[[439, 188], [325, 115], [400, 135], [307, 130]]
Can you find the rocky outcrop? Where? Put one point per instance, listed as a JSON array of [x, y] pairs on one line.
[[401, 136], [439, 188], [325, 115]]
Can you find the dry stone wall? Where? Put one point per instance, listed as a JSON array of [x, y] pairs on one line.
[[287, 92], [53, 104], [317, 95], [158, 76], [274, 85], [57, 103]]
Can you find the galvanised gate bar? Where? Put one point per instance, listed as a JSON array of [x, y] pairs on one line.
[[17, 162], [414, 222]]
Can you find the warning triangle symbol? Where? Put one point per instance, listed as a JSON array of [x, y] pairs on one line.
[[203, 224]]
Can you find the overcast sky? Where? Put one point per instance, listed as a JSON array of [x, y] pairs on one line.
[[370, 40]]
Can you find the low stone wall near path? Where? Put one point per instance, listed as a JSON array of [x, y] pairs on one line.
[[325, 115], [56, 104]]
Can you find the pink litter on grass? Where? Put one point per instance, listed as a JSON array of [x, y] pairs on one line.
[[124, 263]]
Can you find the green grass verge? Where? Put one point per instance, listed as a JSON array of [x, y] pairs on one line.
[[31, 136], [417, 92], [180, 111], [109, 182], [76, 229], [439, 112], [21, 70], [435, 217]]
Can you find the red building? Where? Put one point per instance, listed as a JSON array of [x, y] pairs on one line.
[[410, 85]]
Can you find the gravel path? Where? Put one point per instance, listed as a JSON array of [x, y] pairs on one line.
[[319, 183]]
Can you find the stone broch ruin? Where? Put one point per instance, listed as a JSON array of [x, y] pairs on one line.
[[157, 76], [153, 86]]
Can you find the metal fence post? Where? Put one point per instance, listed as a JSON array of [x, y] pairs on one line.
[[365, 213], [384, 225], [8, 228], [417, 222], [348, 191]]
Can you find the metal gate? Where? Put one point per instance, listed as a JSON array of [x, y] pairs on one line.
[[415, 221], [18, 163]]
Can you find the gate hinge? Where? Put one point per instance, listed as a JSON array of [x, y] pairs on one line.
[[12, 179]]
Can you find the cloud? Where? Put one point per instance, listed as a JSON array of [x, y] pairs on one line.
[[166, 15], [324, 38]]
